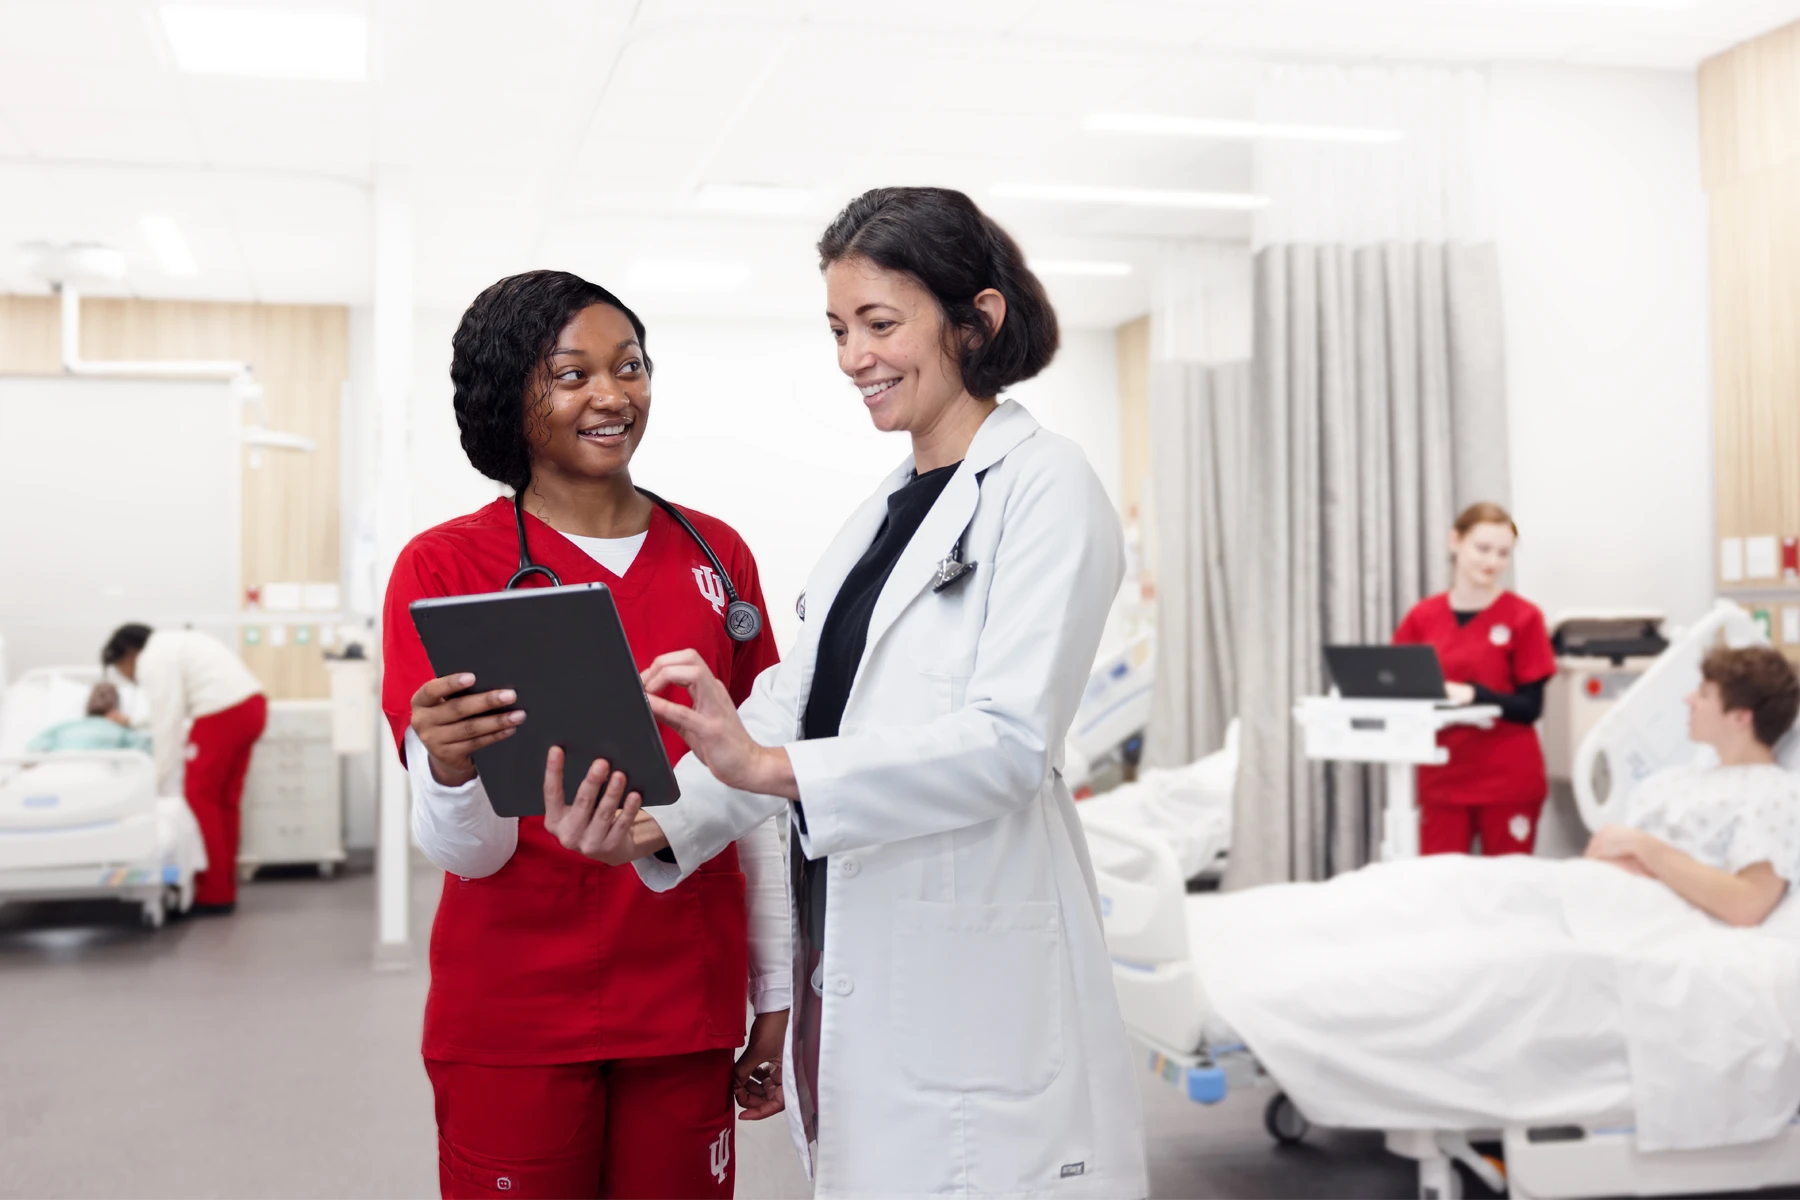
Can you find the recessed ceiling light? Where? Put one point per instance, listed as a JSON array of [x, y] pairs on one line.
[[1060, 193], [268, 43], [171, 249], [686, 275], [1246, 131], [1080, 267], [764, 199]]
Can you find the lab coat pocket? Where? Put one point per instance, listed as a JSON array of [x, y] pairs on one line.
[[947, 690], [978, 995]]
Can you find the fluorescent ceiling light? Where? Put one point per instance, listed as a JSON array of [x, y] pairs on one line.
[[268, 43], [1080, 267], [1244, 131], [686, 275], [170, 248], [763, 199], [1062, 193]]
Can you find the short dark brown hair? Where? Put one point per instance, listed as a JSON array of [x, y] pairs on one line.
[[955, 251], [1759, 680]]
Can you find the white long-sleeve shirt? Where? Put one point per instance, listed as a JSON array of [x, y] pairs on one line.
[[459, 831], [185, 676]]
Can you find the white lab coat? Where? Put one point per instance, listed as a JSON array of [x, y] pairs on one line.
[[970, 1038]]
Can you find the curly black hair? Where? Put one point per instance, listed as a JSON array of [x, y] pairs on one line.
[[939, 237], [125, 641], [503, 340]]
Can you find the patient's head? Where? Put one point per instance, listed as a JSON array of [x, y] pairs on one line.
[[102, 700], [1744, 694]]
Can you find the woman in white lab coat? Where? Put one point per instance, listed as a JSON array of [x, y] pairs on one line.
[[956, 1030]]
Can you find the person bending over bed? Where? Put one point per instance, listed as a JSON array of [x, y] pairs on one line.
[[104, 728], [1725, 837]]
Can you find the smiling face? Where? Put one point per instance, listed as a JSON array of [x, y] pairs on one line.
[[890, 338], [588, 406], [1482, 554]]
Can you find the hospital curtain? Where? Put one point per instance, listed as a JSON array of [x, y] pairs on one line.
[[1199, 393], [1375, 378], [1376, 409], [1199, 423]]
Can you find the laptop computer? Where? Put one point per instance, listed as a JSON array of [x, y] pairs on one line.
[[1386, 672]]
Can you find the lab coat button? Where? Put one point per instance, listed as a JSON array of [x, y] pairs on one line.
[[841, 985], [848, 867]]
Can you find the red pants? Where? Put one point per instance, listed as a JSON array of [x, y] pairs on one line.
[[218, 759], [1504, 828], [641, 1128]]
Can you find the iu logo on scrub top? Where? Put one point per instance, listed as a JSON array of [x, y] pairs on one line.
[[712, 588]]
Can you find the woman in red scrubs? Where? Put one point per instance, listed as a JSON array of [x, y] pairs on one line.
[[580, 1028], [1494, 650]]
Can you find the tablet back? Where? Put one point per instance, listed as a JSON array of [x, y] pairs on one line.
[[564, 652]]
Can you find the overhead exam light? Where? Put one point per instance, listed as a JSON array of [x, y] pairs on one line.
[[268, 43], [1061, 193], [244, 386], [1155, 124]]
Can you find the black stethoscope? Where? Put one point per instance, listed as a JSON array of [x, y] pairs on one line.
[[742, 620]]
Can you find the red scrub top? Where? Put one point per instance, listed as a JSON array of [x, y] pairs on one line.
[[1503, 649], [556, 958]]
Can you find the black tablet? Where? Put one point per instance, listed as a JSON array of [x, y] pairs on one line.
[[564, 652]]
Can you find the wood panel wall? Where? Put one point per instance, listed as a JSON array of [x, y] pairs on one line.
[[1133, 356], [1750, 160], [301, 356]]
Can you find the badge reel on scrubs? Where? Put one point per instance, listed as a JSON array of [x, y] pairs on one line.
[[742, 620]]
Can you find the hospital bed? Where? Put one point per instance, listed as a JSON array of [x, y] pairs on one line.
[[1150, 923], [87, 824]]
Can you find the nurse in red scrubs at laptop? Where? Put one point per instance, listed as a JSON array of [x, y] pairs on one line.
[[1494, 650], [581, 1030]]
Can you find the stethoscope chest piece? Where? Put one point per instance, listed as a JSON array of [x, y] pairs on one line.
[[742, 621], [950, 572]]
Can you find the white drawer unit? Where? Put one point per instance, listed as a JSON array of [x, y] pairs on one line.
[[293, 807]]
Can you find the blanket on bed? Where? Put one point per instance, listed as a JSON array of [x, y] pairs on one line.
[[1459, 993]]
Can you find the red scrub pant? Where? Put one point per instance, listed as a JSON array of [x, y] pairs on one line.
[[641, 1128], [218, 759], [1504, 828]]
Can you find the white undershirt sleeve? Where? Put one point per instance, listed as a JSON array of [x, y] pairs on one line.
[[456, 827], [765, 882]]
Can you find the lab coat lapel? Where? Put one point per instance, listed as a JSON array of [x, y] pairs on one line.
[[1005, 428], [834, 565]]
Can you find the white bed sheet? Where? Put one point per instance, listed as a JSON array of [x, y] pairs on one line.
[[1456, 993]]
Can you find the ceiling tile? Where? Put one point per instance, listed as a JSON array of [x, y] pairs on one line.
[[1168, 24], [143, 87], [81, 31], [113, 137]]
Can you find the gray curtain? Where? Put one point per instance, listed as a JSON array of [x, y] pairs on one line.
[[1199, 430], [1376, 410]]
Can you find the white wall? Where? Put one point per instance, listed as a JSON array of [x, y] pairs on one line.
[[122, 503], [754, 424], [1601, 225]]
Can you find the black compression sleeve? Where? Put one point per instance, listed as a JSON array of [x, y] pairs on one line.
[[1522, 707]]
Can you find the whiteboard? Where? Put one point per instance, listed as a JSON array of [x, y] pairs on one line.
[[119, 501]]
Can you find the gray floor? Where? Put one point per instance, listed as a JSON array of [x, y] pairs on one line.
[[261, 1056]]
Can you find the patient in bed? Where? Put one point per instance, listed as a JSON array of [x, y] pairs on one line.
[[104, 728], [1726, 836]]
